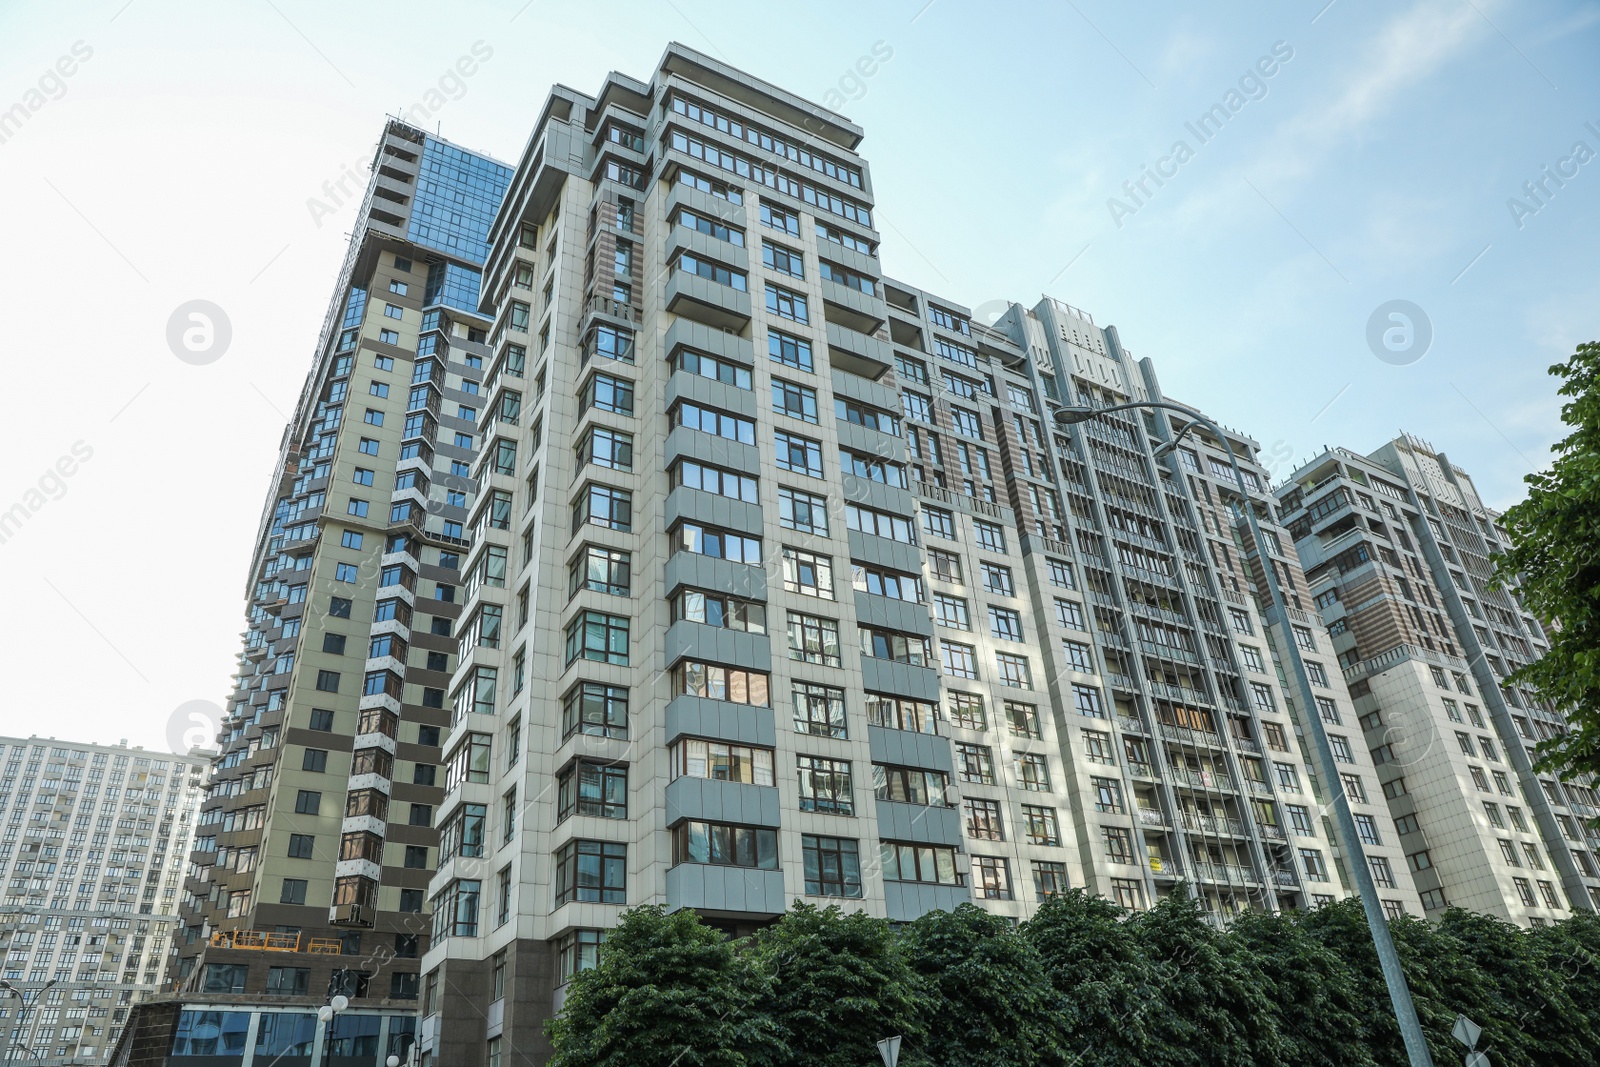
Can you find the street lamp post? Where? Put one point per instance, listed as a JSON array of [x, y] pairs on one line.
[[327, 1013], [1277, 615], [28, 1006]]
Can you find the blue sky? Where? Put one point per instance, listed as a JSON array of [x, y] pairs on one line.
[[176, 162]]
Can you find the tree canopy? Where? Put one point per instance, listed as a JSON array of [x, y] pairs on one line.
[[1555, 559], [1081, 984]]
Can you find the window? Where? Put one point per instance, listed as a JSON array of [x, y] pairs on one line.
[[1118, 843], [307, 802], [1069, 613], [710, 270], [599, 445], [918, 863], [718, 370], [783, 260], [603, 506], [1005, 624], [796, 401], [302, 846], [602, 570], [714, 682], [1341, 749], [946, 566], [595, 709], [1367, 830], [720, 544], [832, 866], [1078, 656], [1086, 699], [722, 762], [825, 786], [997, 579], [864, 415], [592, 872], [1525, 892], [715, 480], [974, 763], [901, 713], [805, 512], [1107, 795], [966, 710], [1013, 670], [991, 878], [819, 710], [293, 891], [1300, 820], [789, 350], [787, 304], [1319, 676], [936, 522], [1329, 711], [607, 393], [1353, 788], [723, 612], [1033, 773], [813, 639], [586, 787], [960, 661], [983, 819], [807, 573], [799, 455], [778, 219], [951, 611], [910, 785], [1492, 811], [880, 524], [1050, 877], [315, 759], [1316, 869]]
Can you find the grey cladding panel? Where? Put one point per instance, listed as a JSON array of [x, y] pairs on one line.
[[699, 506], [901, 679], [713, 888], [689, 716], [858, 438], [874, 610], [906, 749], [686, 333], [714, 801], [906, 901], [723, 576], [919, 823], [717, 645], [885, 553], [685, 443]]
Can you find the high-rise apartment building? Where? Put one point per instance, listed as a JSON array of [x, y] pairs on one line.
[[94, 846], [1396, 547], [318, 833], [782, 585]]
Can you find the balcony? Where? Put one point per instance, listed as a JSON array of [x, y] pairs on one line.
[[1203, 779], [1211, 824], [1153, 817]]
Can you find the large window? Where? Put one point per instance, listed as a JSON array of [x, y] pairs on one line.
[[790, 351], [918, 863], [602, 570], [717, 480], [724, 612], [804, 512], [819, 710], [832, 866], [807, 573], [880, 524], [796, 401], [911, 785], [715, 682], [902, 713], [594, 872], [719, 544], [825, 786], [712, 421], [725, 845], [813, 639], [722, 762], [799, 455], [596, 709], [607, 393], [603, 506], [455, 909], [596, 636], [586, 787]]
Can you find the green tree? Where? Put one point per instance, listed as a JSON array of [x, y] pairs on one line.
[[1095, 965], [1555, 557], [837, 984], [994, 1003], [1213, 1009], [1312, 991], [669, 991]]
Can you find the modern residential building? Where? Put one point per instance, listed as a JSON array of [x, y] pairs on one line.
[[783, 586], [1396, 547], [318, 832], [93, 849]]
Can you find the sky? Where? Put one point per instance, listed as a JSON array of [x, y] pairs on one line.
[[1358, 154]]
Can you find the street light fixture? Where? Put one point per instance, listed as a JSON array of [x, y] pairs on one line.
[[1277, 616], [326, 1015], [22, 1019]]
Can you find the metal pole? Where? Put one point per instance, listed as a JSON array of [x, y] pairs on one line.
[[1277, 616]]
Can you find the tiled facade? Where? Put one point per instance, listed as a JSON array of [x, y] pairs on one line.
[[93, 849], [1396, 545], [807, 598]]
